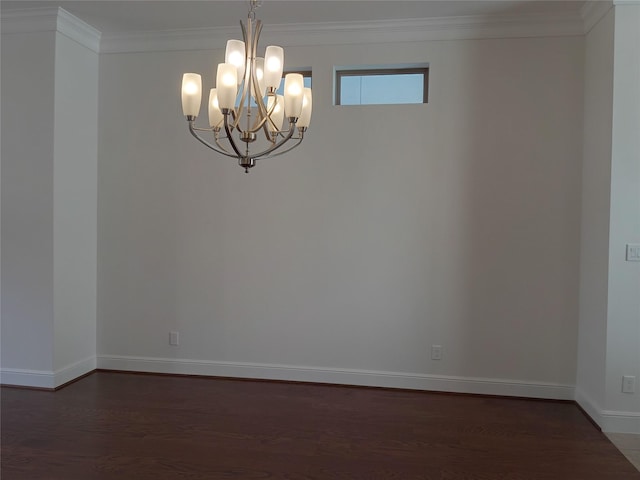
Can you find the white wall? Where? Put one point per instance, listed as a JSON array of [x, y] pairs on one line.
[[609, 327], [75, 203], [27, 192], [623, 329], [49, 206], [390, 229], [596, 192]]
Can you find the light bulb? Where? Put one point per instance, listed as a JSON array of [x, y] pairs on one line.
[[260, 77], [235, 58], [215, 115], [274, 62], [191, 94], [294, 89], [227, 85], [228, 79], [235, 54], [293, 85], [305, 115]]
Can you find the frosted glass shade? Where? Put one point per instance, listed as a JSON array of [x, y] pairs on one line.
[[235, 55], [260, 76], [277, 116], [215, 115], [227, 85], [273, 65], [293, 94], [305, 115], [191, 94]]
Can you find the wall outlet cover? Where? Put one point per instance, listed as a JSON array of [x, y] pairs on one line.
[[633, 252], [628, 384], [436, 352]]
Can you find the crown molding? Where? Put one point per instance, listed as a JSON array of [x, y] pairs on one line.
[[78, 30], [51, 20], [593, 11], [336, 33], [30, 20], [309, 34]]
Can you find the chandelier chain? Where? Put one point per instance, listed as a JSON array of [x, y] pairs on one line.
[[253, 6]]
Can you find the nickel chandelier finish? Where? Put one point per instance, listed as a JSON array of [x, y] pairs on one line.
[[237, 124]]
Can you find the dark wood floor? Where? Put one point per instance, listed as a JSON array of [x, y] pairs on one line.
[[125, 426]]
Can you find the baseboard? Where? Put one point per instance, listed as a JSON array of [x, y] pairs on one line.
[[47, 379], [27, 378], [610, 421], [485, 386], [75, 370], [607, 420], [620, 422], [589, 406]]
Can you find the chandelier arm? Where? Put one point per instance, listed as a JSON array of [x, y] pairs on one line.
[[192, 129], [262, 118], [269, 138], [277, 154], [222, 147], [251, 83], [265, 117], [255, 84], [273, 109], [234, 115], [230, 138], [238, 115], [246, 36], [292, 130], [268, 119]]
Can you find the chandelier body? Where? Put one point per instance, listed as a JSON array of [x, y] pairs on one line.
[[245, 104]]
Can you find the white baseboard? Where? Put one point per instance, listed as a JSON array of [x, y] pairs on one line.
[[620, 422], [27, 378], [589, 406], [610, 421], [74, 370], [487, 386], [44, 378]]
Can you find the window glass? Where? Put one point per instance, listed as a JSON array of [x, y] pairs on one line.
[[381, 87]]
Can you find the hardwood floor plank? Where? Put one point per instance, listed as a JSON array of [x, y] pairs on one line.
[[125, 426]]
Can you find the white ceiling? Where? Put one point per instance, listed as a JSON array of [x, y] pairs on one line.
[[153, 15]]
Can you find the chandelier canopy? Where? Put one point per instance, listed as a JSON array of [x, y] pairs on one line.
[[245, 101]]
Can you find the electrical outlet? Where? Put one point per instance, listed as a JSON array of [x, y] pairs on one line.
[[436, 352], [633, 252], [628, 384], [173, 338]]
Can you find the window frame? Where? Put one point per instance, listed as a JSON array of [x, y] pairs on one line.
[[360, 72]]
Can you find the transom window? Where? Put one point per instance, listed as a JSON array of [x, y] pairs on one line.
[[382, 86]]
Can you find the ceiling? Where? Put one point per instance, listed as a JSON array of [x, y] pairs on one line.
[[152, 15]]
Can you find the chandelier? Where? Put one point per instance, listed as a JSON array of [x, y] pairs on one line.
[[245, 102]]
